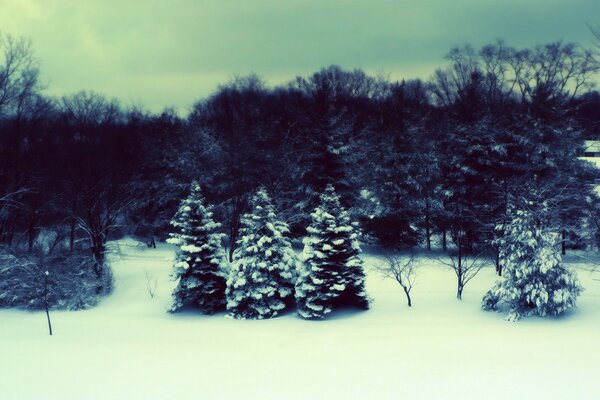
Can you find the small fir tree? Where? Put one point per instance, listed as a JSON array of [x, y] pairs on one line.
[[260, 283], [200, 259], [333, 272], [536, 281]]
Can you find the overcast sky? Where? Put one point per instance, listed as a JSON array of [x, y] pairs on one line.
[[174, 52]]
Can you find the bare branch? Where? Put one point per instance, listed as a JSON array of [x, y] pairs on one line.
[[402, 270], [465, 268]]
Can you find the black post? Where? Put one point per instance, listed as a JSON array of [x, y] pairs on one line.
[[46, 273]]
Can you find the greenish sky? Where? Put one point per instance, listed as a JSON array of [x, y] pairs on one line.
[[174, 52]]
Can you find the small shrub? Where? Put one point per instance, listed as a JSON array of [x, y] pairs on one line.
[[73, 283]]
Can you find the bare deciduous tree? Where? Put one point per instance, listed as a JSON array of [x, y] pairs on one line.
[[19, 87], [554, 72], [465, 267], [98, 217], [19, 73], [596, 33], [402, 270], [87, 110]]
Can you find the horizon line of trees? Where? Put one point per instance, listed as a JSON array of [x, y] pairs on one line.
[[411, 160]]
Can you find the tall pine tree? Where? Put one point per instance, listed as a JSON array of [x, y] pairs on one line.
[[536, 281], [333, 273], [260, 283], [199, 262]]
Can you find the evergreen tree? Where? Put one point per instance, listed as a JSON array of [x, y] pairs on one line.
[[333, 273], [198, 265], [260, 283], [536, 282]]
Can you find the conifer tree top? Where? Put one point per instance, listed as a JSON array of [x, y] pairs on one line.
[[330, 200], [193, 220], [261, 200], [261, 221]]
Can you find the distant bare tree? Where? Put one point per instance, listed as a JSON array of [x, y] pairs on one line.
[[89, 190], [553, 72], [546, 74], [98, 217], [596, 32], [465, 266], [402, 270], [19, 73], [19, 88], [340, 83], [448, 83], [90, 109]]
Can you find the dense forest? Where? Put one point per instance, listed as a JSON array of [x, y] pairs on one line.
[[418, 163]]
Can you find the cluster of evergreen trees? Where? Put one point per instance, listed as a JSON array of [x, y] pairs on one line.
[[264, 278]]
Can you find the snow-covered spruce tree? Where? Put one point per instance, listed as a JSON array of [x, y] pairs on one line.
[[535, 280], [200, 259], [333, 273], [261, 280]]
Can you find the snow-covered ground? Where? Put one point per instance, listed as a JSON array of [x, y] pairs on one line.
[[130, 348]]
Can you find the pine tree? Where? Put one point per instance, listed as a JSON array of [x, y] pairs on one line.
[[260, 283], [199, 262], [536, 282], [333, 273]]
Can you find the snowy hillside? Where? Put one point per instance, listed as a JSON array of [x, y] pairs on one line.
[[130, 348]]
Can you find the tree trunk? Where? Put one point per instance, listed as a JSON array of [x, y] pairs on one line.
[[99, 253], [563, 244], [31, 232], [408, 297], [428, 224], [73, 225], [444, 241], [72, 235], [235, 225], [2, 227], [459, 273], [497, 262]]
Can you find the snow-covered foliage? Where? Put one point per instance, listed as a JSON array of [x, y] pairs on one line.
[[333, 272], [536, 281], [199, 265], [260, 283], [73, 283], [367, 205]]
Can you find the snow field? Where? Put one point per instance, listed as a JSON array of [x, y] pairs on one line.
[[130, 348]]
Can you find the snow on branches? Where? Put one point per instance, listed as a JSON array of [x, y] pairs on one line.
[[199, 263], [333, 272], [260, 284], [536, 281]]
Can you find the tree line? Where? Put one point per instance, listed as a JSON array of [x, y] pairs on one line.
[[414, 161]]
